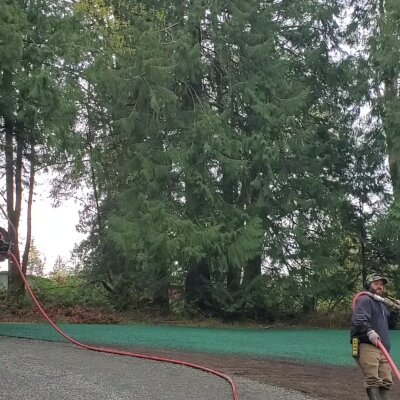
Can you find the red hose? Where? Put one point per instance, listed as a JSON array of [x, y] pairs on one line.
[[381, 347], [114, 351], [379, 344], [355, 298]]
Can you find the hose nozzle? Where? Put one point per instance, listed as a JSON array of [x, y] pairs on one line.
[[385, 300]]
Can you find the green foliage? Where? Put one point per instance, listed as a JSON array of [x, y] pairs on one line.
[[73, 291], [221, 143], [230, 144], [37, 104], [35, 262], [266, 299]]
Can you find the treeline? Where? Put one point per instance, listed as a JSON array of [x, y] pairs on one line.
[[243, 153]]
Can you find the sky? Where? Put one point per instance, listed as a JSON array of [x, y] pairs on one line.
[[53, 228]]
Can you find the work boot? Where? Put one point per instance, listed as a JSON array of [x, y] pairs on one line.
[[374, 393], [384, 393]]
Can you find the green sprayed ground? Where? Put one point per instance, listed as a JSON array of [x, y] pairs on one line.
[[315, 346]]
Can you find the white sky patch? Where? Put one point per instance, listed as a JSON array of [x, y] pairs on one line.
[[53, 228]]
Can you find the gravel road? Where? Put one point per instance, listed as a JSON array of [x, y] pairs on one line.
[[34, 370]]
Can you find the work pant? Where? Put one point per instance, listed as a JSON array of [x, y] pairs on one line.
[[375, 367]]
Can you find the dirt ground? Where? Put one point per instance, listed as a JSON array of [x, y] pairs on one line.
[[325, 382], [320, 381]]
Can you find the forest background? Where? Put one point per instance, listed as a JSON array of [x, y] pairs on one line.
[[238, 160]]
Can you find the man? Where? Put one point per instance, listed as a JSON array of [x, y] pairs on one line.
[[370, 322]]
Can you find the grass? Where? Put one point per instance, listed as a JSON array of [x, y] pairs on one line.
[[320, 346]]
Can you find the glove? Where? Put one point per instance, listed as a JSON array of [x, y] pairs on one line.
[[373, 337]]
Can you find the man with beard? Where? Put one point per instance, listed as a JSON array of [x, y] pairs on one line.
[[370, 323]]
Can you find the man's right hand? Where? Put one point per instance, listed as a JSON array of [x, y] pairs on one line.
[[373, 337]]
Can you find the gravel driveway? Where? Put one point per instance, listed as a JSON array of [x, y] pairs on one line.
[[34, 370]]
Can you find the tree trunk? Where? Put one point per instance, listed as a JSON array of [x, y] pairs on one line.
[[390, 97], [392, 134], [233, 279], [90, 136], [15, 285], [252, 270], [29, 211], [197, 286], [161, 297]]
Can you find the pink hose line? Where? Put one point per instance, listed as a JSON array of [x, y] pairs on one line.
[[381, 347], [235, 393], [379, 344]]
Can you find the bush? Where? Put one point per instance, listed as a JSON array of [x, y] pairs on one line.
[[72, 291], [264, 300]]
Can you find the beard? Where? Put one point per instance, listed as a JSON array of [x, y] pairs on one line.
[[378, 291]]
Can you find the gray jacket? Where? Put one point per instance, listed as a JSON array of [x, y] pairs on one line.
[[370, 314]]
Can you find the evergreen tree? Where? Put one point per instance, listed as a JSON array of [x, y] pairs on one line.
[[229, 147], [36, 110], [220, 146], [36, 263], [375, 25]]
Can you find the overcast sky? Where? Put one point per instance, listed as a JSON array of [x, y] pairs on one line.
[[53, 229]]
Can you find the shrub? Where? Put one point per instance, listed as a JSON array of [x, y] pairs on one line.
[[72, 291]]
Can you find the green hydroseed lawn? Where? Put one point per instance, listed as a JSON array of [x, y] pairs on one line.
[[319, 346]]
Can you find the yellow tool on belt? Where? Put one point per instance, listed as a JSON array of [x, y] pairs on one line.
[[355, 347]]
